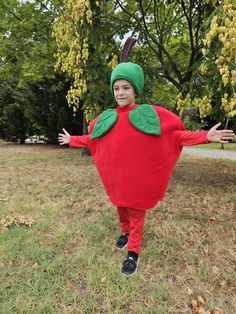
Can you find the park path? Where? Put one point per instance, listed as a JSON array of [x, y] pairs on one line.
[[210, 153]]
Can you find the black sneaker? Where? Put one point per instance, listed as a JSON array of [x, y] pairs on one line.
[[130, 265], [122, 241]]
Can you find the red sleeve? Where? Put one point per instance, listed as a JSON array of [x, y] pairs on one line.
[[188, 138], [82, 140], [79, 141]]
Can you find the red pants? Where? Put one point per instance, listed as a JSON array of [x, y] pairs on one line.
[[131, 222]]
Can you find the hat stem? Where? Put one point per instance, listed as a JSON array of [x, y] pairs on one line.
[[127, 48]]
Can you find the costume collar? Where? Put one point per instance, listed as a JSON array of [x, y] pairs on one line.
[[126, 108]]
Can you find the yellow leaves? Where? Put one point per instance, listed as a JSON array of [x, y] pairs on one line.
[[199, 306], [223, 29], [204, 52], [233, 77], [16, 219], [85, 51], [229, 105], [91, 112], [225, 79], [73, 48], [204, 106], [203, 69], [113, 62], [182, 104]]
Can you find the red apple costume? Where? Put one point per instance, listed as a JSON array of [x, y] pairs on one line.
[[135, 149], [135, 167]]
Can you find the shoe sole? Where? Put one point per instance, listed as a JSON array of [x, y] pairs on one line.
[[129, 275], [121, 248]]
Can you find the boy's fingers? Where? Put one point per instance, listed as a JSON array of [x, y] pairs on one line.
[[64, 130], [216, 126], [228, 131]]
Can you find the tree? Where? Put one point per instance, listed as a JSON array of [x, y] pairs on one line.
[[86, 54], [170, 41], [27, 66], [219, 63], [171, 30], [14, 124]]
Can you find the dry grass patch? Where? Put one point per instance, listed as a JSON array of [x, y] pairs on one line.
[[66, 262]]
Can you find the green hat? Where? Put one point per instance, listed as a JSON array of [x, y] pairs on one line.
[[131, 72]]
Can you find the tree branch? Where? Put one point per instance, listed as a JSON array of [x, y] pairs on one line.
[[17, 17], [160, 46], [44, 5]]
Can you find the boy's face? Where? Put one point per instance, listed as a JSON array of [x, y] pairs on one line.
[[124, 93]]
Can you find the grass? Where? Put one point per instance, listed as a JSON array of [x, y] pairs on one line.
[[228, 146], [67, 263]]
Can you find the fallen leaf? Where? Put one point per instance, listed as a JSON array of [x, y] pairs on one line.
[[217, 310], [212, 220], [104, 279], [200, 299], [3, 199], [2, 230], [16, 219], [70, 286], [215, 270], [223, 283], [233, 303], [201, 310], [35, 265], [194, 304], [190, 291]]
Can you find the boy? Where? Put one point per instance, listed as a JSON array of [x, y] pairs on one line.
[[135, 148]]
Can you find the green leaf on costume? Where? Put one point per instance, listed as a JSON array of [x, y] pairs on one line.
[[145, 119], [105, 122]]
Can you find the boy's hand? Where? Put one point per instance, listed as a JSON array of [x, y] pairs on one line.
[[221, 136], [64, 138]]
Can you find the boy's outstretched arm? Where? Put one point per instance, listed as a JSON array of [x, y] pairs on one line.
[[189, 138], [221, 136], [64, 138], [73, 141]]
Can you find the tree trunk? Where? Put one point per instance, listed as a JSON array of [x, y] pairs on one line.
[[226, 127], [85, 151]]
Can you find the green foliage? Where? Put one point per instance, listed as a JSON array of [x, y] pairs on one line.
[[32, 97], [26, 45], [215, 75], [169, 45], [14, 125], [85, 47]]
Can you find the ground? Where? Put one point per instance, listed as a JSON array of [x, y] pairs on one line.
[[66, 261]]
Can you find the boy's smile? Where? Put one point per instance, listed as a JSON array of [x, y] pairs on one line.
[[124, 93]]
